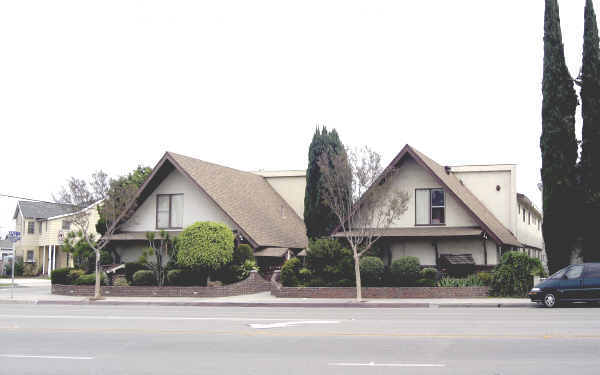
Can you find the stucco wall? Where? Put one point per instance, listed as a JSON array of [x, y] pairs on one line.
[[291, 189], [197, 206]]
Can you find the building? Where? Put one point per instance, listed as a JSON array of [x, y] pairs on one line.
[[462, 214], [43, 225], [263, 209]]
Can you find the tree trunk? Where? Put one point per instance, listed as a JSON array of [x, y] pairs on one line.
[[357, 272], [97, 294]]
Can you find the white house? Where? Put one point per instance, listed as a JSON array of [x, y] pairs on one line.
[[263, 209], [464, 214]]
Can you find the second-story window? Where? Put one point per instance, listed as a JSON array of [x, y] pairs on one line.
[[169, 211], [430, 207], [30, 227], [66, 225]]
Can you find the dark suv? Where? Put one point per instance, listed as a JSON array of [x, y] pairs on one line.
[[575, 283]]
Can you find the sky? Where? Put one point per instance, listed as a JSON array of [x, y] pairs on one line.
[[88, 85]]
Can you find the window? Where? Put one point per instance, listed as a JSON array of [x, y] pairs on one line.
[[574, 272], [29, 256], [523, 215], [169, 211], [30, 227], [40, 227], [592, 271], [66, 225], [529, 217], [430, 207]]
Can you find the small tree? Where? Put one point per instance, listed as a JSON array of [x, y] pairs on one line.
[[158, 248], [356, 188]]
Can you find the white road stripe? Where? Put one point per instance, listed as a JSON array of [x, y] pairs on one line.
[[373, 364], [41, 356], [291, 324], [114, 317]]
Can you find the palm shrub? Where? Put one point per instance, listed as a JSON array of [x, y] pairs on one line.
[[290, 272], [405, 270], [513, 276], [371, 271]]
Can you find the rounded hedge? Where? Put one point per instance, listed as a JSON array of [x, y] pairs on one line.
[[144, 277], [290, 272], [131, 268], [428, 274], [405, 270], [371, 271], [60, 276], [205, 245], [242, 253]]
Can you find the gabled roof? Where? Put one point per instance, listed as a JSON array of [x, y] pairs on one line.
[[42, 210], [480, 213], [261, 214]]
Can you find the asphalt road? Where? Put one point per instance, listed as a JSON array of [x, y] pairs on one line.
[[36, 339]]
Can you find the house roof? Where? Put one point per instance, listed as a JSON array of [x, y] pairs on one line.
[[480, 213], [277, 252], [42, 210], [260, 213], [428, 232]]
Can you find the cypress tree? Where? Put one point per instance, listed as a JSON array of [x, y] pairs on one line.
[[318, 217], [590, 154], [558, 145]]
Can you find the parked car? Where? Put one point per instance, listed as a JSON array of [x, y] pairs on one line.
[[575, 283]]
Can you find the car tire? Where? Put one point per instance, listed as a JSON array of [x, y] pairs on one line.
[[550, 300]]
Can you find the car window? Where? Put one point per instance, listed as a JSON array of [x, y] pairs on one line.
[[574, 272], [592, 271], [558, 274]]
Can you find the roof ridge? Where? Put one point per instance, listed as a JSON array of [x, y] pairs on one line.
[[211, 163]]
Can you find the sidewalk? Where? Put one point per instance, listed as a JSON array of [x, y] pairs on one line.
[[36, 291]]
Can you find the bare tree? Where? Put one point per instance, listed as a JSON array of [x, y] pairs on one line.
[[361, 195]]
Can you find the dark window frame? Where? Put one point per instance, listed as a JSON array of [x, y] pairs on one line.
[[32, 260], [170, 212], [31, 227], [431, 207]]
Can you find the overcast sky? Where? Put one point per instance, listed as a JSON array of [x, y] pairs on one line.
[[87, 85]]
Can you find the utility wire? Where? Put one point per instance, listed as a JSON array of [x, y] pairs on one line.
[[28, 199]]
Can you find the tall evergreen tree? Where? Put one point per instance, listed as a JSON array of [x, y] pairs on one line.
[[558, 144], [590, 154], [318, 217]]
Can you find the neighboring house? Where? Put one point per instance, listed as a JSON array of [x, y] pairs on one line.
[[5, 253], [263, 209], [461, 214], [42, 224]]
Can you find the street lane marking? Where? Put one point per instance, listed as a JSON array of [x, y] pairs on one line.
[[41, 356], [291, 324], [373, 364]]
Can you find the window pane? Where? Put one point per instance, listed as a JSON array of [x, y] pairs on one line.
[[177, 211], [163, 203], [162, 219], [592, 271], [422, 206], [437, 198], [574, 272], [437, 215], [30, 227]]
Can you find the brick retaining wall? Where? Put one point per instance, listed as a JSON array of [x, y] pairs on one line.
[[253, 284], [383, 292]]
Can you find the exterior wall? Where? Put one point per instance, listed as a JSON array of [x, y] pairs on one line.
[[412, 176], [291, 185], [483, 180], [28, 241], [197, 206], [424, 250], [529, 233], [130, 251]]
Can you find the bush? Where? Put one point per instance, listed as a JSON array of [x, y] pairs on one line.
[[131, 268], [405, 270], [329, 262], [290, 272], [242, 253], [428, 274], [31, 270], [205, 245], [60, 276], [513, 276], [144, 277], [74, 274], [120, 280], [371, 271], [185, 277], [485, 277], [454, 282], [89, 279], [105, 258], [426, 282]]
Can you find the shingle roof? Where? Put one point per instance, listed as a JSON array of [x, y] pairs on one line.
[[277, 252], [249, 201], [42, 210]]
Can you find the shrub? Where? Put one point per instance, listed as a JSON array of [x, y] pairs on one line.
[[426, 282], [30, 270], [205, 245], [454, 282], [304, 275], [105, 258], [371, 271], [290, 272], [485, 277], [120, 280], [513, 276], [185, 277], [329, 261], [89, 279], [131, 268], [428, 274], [144, 277], [405, 270], [60, 276], [74, 274], [242, 253]]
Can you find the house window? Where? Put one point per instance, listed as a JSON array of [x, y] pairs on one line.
[[66, 225], [30, 227], [529, 217], [169, 211], [523, 215], [430, 207], [29, 256]]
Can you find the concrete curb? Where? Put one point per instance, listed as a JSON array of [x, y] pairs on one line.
[[272, 304]]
